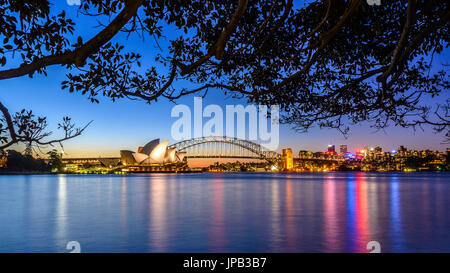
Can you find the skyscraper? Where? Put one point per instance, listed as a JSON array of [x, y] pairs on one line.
[[402, 151], [343, 149], [331, 149]]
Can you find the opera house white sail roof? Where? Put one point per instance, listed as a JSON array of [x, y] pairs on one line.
[[153, 152]]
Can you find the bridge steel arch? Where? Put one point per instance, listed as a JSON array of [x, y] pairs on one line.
[[257, 149]]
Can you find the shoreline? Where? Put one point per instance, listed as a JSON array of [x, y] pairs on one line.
[[185, 172]]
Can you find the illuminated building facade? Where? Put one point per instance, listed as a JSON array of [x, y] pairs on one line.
[[305, 154], [331, 149], [343, 149], [287, 158], [153, 152], [3, 160]]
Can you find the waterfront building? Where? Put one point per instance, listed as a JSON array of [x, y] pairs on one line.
[[319, 155], [402, 151], [153, 157], [331, 149], [287, 158], [153, 152], [305, 154], [3, 160], [156, 156]]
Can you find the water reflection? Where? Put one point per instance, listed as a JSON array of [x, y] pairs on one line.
[[158, 222], [362, 218], [351, 213], [425, 206], [337, 212], [274, 216], [217, 234], [290, 217], [123, 205], [61, 208], [331, 229], [395, 215], [374, 208]]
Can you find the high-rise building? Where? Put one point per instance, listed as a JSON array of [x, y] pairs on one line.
[[331, 149], [401, 151], [287, 159], [343, 149], [305, 154]]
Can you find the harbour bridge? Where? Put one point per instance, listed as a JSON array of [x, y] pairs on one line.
[[224, 147]]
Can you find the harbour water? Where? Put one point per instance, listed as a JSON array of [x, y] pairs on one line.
[[226, 212]]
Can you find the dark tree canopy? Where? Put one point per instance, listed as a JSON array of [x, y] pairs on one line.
[[16, 161], [327, 63]]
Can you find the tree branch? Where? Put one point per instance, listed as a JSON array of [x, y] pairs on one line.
[[410, 21], [30, 130], [277, 26], [79, 55], [325, 39], [219, 46], [9, 122]]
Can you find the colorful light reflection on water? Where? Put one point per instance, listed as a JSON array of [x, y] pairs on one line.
[[261, 212]]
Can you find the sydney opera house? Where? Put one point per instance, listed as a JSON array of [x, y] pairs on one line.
[[154, 153], [155, 156]]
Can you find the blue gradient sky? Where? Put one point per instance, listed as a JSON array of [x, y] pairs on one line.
[[127, 124]]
